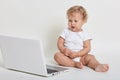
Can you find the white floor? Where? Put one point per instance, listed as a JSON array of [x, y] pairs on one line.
[[73, 74]]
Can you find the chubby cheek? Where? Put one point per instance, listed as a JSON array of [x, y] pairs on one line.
[[69, 25]]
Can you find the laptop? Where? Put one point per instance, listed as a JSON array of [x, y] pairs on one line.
[[26, 55]]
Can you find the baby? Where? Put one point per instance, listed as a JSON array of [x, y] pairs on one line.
[[74, 43]]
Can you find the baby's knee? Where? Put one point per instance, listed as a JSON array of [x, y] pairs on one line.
[[89, 57], [57, 55]]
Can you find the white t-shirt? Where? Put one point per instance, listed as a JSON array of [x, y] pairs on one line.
[[74, 40]]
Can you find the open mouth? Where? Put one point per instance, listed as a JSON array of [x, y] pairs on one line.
[[72, 27]]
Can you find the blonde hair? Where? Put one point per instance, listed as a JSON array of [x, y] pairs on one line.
[[78, 9]]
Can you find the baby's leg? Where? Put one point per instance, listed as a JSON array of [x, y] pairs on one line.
[[63, 60], [90, 61]]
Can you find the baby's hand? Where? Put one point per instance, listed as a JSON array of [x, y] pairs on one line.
[[73, 55], [67, 52]]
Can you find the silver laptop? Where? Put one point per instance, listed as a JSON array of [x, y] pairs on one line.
[[26, 55]]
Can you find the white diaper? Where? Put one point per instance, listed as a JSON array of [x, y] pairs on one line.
[[76, 59]]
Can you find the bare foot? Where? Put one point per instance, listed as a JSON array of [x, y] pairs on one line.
[[102, 68], [79, 65]]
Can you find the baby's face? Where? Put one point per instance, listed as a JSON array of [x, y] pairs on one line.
[[75, 22]]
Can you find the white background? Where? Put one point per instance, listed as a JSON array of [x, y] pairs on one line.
[[47, 18]]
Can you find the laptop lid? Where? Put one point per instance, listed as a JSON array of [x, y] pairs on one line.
[[23, 54], [26, 55]]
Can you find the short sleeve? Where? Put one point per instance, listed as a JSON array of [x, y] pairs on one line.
[[86, 36], [63, 33]]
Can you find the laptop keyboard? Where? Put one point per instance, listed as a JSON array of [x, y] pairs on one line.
[[51, 71]]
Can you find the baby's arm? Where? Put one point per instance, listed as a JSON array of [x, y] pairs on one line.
[[61, 47], [86, 48]]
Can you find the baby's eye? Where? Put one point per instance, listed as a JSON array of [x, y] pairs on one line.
[[76, 21], [70, 20]]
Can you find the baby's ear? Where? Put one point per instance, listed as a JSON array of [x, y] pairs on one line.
[[84, 21]]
